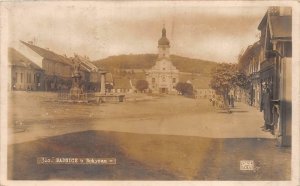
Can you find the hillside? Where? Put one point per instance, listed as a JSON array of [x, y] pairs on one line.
[[146, 61]]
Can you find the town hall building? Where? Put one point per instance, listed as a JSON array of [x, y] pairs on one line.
[[163, 76]]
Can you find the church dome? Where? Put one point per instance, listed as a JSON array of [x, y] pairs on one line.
[[163, 40]]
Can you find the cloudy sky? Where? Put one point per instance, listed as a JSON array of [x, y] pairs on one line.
[[101, 29]]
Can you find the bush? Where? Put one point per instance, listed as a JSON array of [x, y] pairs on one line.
[[185, 89], [141, 85]]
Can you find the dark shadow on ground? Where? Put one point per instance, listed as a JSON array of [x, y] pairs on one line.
[[23, 157], [231, 111], [219, 159], [271, 162], [239, 111]]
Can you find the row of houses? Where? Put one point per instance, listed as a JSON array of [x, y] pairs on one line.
[[267, 63], [55, 72]]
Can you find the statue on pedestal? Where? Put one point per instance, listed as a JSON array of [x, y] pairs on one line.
[[76, 79]]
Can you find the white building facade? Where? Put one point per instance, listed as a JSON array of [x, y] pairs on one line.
[[163, 76]]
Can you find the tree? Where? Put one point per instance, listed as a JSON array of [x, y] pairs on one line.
[[222, 80], [241, 80], [226, 77], [222, 77], [185, 89], [141, 85]]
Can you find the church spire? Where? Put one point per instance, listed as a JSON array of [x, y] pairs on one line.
[[164, 32], [163, 40]]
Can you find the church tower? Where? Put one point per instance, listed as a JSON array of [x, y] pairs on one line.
[[163, 76], [163, 45]]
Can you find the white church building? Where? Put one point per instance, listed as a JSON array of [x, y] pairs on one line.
[[163, 76]]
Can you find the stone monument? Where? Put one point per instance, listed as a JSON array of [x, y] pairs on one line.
[[76, 90]]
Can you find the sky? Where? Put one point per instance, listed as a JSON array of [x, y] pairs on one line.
[[102, 29]]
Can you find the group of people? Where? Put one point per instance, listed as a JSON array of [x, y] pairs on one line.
[[268, 106], [218, 101]]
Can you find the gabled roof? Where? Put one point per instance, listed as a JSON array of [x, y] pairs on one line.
[[45, 53], [281, 26], [17, 59], [263, 21], [87, 64]]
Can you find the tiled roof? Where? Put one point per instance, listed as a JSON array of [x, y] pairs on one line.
[[17, 59], [45, 53]]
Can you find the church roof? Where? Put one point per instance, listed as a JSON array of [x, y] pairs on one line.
[[163, 40]]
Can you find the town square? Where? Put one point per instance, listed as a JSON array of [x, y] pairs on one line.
[[175, 93]]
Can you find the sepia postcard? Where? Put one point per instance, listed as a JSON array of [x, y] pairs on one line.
[[150, 93]]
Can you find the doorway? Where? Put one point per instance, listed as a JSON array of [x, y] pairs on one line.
[[163, 90]]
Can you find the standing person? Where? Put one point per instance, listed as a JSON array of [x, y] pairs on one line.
[[232, 101], [228, 98], [213, 101], [266, 106]]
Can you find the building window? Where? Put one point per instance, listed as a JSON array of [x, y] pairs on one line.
[[163, 78], [164, 68], [21, 77], [174, 80], [153, 80]]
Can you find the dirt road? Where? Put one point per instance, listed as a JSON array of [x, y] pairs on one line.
[[168, 115], [164, 138]]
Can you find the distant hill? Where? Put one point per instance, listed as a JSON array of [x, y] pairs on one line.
[[146, 61]]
